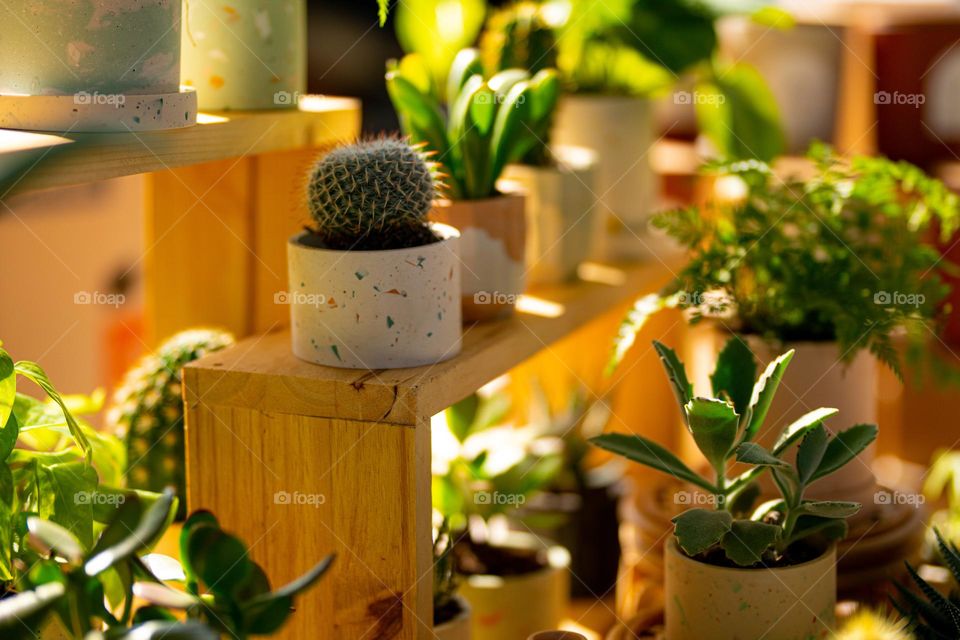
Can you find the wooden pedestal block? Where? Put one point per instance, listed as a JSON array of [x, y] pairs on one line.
[[302, 460]]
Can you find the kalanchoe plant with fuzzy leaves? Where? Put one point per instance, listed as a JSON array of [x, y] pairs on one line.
[[487, 124], [840, 256], [723, 427], [372, 195]]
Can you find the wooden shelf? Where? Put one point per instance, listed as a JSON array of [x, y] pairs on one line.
[[33, 161], [262, 372]]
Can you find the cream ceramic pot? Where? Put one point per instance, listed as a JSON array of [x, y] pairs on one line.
[[519, 606], [492, 237], [246, 54], [723, 603], [621, 130], [375, 309], [560, 208], [458, 628]]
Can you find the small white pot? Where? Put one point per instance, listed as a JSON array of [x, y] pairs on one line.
[[459, 627], [375, 309], [519, 606], [621, 130], [560, 206], [724, 603]]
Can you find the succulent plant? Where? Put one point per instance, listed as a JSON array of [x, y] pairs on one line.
[[930, 614], [147, 411], [723, 427], [488, 123], [372, 195], [517, 37]]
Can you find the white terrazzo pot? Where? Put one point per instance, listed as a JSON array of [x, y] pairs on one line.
[[245, 54], [375, 309], [725, 603]]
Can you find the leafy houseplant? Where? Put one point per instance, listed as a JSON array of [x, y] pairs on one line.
[[488, 471], [733, 541], [373, 284], [451, 613], [147, 411], [488, 123]]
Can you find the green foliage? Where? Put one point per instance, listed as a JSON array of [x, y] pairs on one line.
[[147, 411], [519, 37], [435, 30], [445, 577], [372, 195], [227, 594], [488, 123], [723, 427], [495, 468], [931, 615], [839, 256]]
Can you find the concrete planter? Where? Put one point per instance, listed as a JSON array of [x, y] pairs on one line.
[[621, 131], [375, 309], [246, 54], [92, 65], [519, 606], [723, 603], [561, 206], [458, 628], [492, 239]]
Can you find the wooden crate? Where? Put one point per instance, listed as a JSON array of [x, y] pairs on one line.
[[302, 460]]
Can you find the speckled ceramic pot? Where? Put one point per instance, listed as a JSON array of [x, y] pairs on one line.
[[722, 603], [375, 309], [62, 47], [492, 247], [246, 54]]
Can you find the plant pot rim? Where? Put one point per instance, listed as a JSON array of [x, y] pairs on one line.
[[558, 559], [445, 231], [449, 202], [672, 547]]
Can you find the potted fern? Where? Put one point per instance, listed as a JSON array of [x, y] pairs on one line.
[[767, 570], [373, 285], [488, 123], [558, 181], [833, 265]]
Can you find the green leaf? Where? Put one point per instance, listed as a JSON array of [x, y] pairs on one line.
[[632, 323], [163, 596], [698, 530], [771, 16], [67, 490], [483, 108], [220, 560], [650, 454], [196, 520], [447, 498], [739, 114], [438, 29], [8, 386], [545, 93], [383, 9], [828, 509], [512, 130], [8, 436], [810, 452], [753, 453], [307, 580], [462, 415], [714, 425], [676, 374], [28, 607], [799, 428], [734, 374], [147, 530], [844, 447], [747, 540], [466, 64], [36, 374], [57, 538], [830, 528], [763, 393]]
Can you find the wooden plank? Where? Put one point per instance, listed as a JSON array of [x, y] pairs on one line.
[[263, 372], [198, 248], [318, 122], [297, 488]]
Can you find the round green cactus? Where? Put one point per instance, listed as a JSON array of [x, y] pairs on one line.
[[372, 195], [517, 37], [147, 411]]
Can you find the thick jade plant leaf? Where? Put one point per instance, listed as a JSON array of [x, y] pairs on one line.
[[698, 530]]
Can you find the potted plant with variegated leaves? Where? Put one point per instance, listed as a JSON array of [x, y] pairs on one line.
[[767, 570]]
